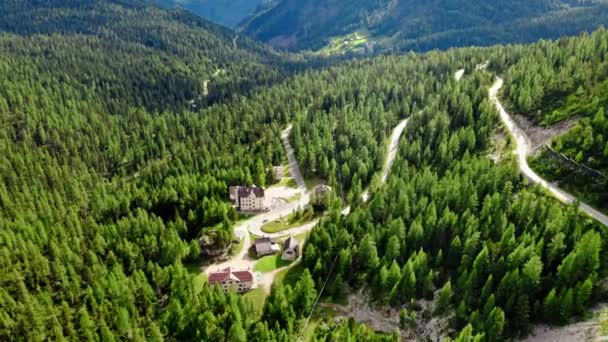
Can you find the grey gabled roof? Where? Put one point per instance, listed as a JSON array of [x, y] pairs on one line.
[[263, 244], [290, 243]]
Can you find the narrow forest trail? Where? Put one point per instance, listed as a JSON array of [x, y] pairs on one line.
[[522, 151], [392, 149], [205, 88]]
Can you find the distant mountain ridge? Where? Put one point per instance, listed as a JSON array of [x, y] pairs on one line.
[[228, 13], [421, 25]]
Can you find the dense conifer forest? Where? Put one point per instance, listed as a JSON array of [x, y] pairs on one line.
[[110, 174]]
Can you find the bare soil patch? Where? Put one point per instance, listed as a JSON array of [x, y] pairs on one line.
[[542, 135], [386, 318]]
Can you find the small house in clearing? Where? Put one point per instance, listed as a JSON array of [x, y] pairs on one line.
[[248, 198], [291, 249], [266, 246], [228, 279]]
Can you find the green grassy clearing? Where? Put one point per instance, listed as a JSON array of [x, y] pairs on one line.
[[295, 219], [257, 297], [200, 278], [300, 237], [283, 224], [288, 182], [270, 263], [341, 45], [252, 237], [289, 276], [294, 198], [309, 331]]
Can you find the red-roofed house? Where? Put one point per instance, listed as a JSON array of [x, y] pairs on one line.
[[228, 279]]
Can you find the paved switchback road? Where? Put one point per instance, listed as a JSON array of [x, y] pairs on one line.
[[523, 149]]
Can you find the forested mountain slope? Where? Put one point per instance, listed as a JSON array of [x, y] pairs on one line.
[[99, 210], [107, 182], [456, 226], [225, 12], [422, 25], [160, 58]]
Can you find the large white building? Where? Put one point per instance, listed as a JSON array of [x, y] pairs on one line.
[[229, 280], [248, 198]]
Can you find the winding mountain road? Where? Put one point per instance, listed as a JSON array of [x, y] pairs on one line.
[[294, 167], [392, 149], [206, 82], [254, 225], [391, 153], [458, 74], [523, 149]]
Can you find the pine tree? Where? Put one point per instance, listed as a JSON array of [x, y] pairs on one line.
[[392, 249], [551, 307], [495, 324], [237, 333], [305, 292], [444, 299]]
